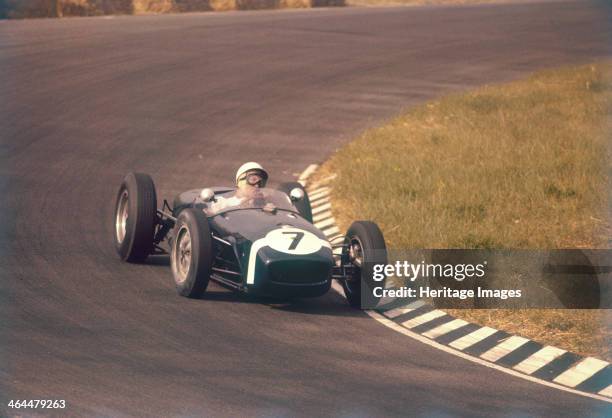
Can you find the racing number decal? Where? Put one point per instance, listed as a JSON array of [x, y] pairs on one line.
[[290, 240], [297, 237]]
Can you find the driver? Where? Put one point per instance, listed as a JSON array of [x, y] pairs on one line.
[[250, 178], [250, 175]]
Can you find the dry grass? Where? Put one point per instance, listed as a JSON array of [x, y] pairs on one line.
[[165, 6], [371, 3], [51, 8], [520, 165]]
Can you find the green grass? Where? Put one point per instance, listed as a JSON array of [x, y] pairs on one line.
[[519, 165], [522, 165]]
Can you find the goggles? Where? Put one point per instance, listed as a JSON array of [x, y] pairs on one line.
[[254, 179]]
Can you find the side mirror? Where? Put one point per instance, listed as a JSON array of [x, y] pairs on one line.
[[207, 195], [296, 194]]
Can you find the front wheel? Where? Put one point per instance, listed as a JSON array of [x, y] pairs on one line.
[[191, 258], [364, 246], [135, 217]]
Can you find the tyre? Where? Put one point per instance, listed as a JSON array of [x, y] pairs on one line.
[[303, 205], [364, 247], [191, 257], [135, 217]]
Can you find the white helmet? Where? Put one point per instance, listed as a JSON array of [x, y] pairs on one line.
[[251, 166]]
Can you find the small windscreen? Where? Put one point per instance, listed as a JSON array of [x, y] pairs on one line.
[[250, 198]]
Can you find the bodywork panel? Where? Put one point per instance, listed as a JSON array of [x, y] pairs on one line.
[[273, 252]]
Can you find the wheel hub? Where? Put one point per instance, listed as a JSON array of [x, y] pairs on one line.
[[122, 216], [182, 254]]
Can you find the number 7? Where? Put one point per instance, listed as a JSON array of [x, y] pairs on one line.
[[296, 239]]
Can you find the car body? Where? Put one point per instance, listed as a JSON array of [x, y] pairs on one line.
[[262, 243]]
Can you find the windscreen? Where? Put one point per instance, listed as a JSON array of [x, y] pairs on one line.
[[250, 198]]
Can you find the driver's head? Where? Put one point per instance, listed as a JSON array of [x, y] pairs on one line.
[[251, 174]]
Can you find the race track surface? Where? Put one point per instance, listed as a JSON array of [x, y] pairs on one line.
[[187, 98]]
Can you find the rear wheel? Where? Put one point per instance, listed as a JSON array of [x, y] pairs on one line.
[[364, 247], [303, 205], [192, 253], [135, 217]]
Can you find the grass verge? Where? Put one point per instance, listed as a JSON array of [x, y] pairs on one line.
[[19, 9], [519, 165], [373, 3]]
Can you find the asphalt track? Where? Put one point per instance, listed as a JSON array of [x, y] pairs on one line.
[[187, 98]]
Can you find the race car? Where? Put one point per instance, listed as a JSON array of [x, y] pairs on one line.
[[262, 242]]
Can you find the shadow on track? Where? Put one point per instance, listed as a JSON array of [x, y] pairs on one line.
[[329, 304]]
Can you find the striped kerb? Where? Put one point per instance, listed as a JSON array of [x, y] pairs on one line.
[[445, 328], [472, 338], [392, 313], [411, 323], [539, 359], [504, 348], [580, 372]]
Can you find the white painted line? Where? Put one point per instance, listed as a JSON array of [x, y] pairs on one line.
[[307, 173], [580, 372], [607, 391], [322, 215], [393, 313], [319, 201], [472, 338], [326, 223], [318, 209], [539, 359], [323, 189], [421, 319], [503, 348], [336, 239], [398, 328], [445, 328], [331, 231], [319, 196]]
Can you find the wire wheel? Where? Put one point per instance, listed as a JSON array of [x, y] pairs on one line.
[[365, 247], [182, 254], [121, 216], [355, 257], [135, 217]]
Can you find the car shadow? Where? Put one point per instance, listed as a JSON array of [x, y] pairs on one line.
[[329, 304], [158, 260]]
